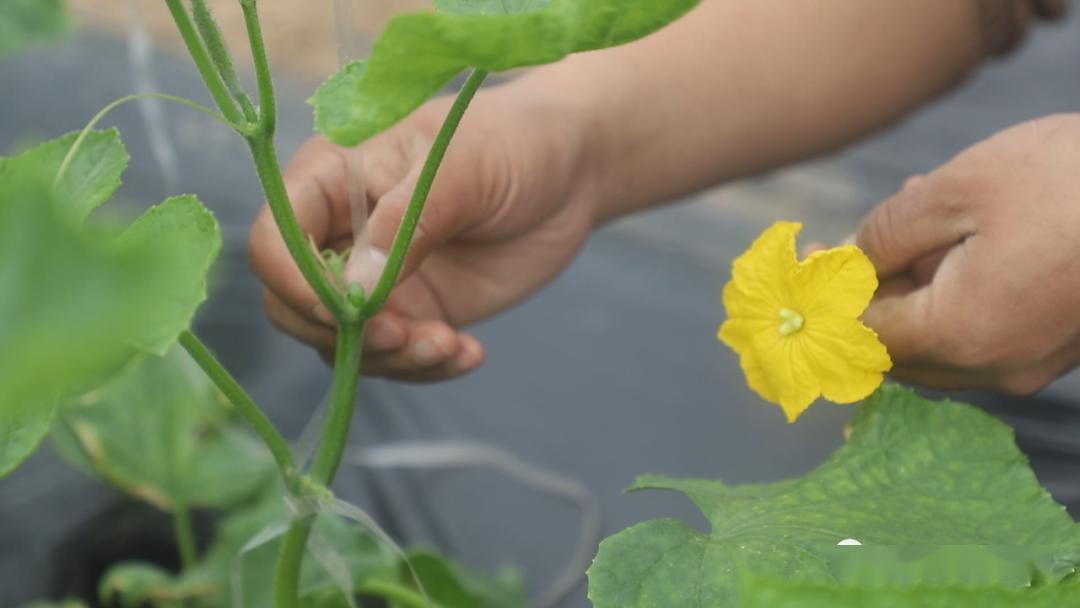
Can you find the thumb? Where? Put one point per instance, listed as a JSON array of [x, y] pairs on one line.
[[444, 216], [901, 315], [919, 220]]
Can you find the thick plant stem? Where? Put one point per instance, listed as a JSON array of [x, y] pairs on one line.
[[244, 405], [411, 219], [342, 402], [327, 459], [203, 63], [267, 101], [219, 53], [185, 536], [290, 558], [277, 198]]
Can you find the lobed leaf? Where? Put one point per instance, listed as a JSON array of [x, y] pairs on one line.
[[914, 472], [489, 7], [777, 594], [70, 305], [191, 230], [162, 433], [421, 53], [24, 22], [92, 176], [78, 303]]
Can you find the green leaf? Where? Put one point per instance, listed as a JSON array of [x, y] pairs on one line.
[[162, 433], [135, 584], [61, 604], [778, 594], [191, 230], [364, 557], [92, 176], [71, 304], [23, 22], [489, 7], [452, 586], [914, 472], [421, 53]]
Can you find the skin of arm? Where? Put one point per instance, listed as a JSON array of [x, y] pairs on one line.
[[732, 89]]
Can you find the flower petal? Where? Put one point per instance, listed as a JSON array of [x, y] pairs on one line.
[[760, 278], [835, 283], [846, 357], [782, 373]]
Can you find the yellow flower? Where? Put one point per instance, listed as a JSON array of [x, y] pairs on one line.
[[796, 324]]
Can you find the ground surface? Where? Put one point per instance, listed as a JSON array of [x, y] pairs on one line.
[[611, 372]]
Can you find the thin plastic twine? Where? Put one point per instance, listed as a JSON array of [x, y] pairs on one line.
[[349, 50], [151, 110], [325, 503], [469, 454]]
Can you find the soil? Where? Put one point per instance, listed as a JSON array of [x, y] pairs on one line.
[[299, 33]]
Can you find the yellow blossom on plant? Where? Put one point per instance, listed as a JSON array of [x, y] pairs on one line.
[[795, 325]]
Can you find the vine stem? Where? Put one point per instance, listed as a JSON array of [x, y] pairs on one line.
[[70, 156], [409, 222], [327, 459], [214, 83], [243, 403], [185, 536]]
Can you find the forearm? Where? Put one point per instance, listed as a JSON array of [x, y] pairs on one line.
[[738, 87]]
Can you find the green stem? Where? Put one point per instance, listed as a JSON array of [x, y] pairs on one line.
[[409, 221], [219, 54], [342, 403], [327, 459], [185, 537], [218, 90], [65, 165], [396, 593], [267, 101], [277, 198], [244, 405], [287, 574]]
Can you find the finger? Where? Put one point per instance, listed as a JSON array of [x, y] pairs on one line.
[[454, 205], [384, 333], [900, 314], [434, 352], [316, 183], [939, 378], [924, 217], [300, 327]]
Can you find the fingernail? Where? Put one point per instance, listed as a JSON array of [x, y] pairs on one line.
[[322, 314], [385, 335], [468, 359], [428, 351], [365, 266]]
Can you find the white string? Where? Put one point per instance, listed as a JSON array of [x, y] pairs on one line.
[[468, 454], [360, 258], [152, 111]]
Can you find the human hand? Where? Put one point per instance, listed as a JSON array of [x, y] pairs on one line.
[[509, 209], [979, 263]]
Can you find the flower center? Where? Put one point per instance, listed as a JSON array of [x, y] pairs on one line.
[[790, 321]]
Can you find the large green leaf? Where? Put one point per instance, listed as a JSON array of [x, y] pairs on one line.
[[776, 594], [191, 230], [24, 22], [91, 177], [421, 53], [914, 472], [70, 305], [162, 433], [489, 7]]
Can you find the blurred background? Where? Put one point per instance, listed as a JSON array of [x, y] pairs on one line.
[[612, 371]]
